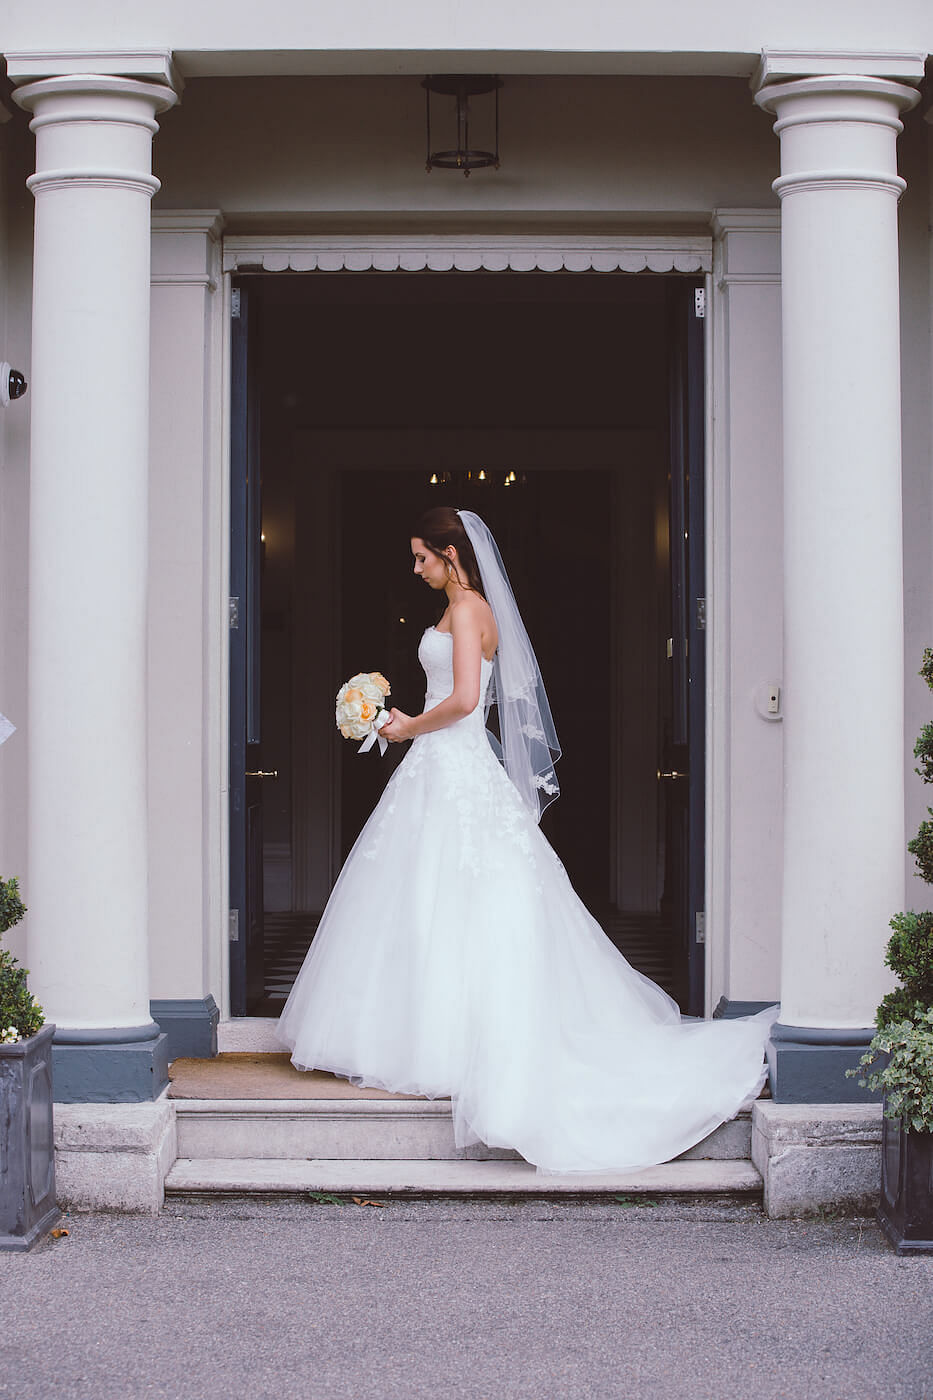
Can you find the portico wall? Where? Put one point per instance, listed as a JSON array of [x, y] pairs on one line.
[[224, 36], [212, 152], [559, 174], [915, 159], [16, 162], [640, 152]]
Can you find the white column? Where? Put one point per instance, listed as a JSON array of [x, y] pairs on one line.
[[843, 586], [87, 876]]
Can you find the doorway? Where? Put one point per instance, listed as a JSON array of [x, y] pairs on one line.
[[567, 409]]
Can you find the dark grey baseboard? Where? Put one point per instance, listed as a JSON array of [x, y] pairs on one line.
[[110, 1072], [190, 1025], [808, 1064], [727, 1010]]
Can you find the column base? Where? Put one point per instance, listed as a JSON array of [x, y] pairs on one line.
[[808, 1064], [190, 1024], [817, 1157], [114, 1156], [109, 1071]]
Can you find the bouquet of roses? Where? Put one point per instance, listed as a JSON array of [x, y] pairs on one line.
[[361, 710]]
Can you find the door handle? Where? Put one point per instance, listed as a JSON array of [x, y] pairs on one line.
[[273, 773], [673, 773]]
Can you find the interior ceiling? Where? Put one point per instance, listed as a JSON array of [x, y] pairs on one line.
[[442, 350]]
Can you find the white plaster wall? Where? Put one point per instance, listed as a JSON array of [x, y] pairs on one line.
[[745, 613], [274, 153], [187, 777], [915, 160], [15, 301], [652, 151], [706, 145], [233, 36]]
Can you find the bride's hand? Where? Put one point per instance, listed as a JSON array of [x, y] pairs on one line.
[[397, 727]]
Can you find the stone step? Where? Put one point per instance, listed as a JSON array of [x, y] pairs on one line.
[[364, 1129], [356, 1176]]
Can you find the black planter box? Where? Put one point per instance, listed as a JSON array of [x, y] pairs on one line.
[[27, 1151], [905, 1213]]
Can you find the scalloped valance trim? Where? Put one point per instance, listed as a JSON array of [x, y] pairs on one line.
[[467, 254]]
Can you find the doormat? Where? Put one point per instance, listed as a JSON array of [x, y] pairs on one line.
[[262, 1076]]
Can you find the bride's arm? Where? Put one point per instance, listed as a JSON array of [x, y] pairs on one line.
[[463, 699]]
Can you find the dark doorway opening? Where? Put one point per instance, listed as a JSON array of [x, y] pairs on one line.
[[562, 407]]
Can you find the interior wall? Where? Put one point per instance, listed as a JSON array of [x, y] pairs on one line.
[[15, 340]]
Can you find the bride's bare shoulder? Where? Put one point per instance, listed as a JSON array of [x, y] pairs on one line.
[[472, 611], [472, 614]]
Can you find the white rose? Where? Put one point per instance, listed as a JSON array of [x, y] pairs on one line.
[[371, 691], [349, 711]]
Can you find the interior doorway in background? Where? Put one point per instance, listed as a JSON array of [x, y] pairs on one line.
[[559, 407]]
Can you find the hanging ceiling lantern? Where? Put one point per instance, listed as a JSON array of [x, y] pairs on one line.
[[462, 88]]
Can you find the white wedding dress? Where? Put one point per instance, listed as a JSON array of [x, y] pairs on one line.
[[455, 958]]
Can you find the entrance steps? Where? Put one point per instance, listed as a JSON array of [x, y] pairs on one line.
[[406, 1146]]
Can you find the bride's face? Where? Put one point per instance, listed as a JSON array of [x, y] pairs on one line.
[[428, 566]]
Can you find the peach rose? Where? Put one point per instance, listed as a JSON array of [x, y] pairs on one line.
[[359, 707]]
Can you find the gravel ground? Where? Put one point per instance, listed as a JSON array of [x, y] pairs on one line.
[[472, 1299]]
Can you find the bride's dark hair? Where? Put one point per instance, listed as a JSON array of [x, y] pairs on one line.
[[440, 527]]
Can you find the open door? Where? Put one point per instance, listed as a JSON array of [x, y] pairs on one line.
[[246, 772], [682, 759]]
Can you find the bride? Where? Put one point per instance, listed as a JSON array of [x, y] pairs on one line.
[[454, 957]]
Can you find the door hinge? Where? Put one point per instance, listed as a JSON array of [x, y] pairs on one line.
[[234, 928], [701, 926], [235, 304], [701, 614], [234, 612], [699, 302]]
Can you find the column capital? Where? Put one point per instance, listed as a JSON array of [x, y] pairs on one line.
[[148, 65], [109, 92], [787, 65], [837, 97], [117, 118], [838, 130]]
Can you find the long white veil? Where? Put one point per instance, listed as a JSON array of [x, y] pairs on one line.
[[528, 745]]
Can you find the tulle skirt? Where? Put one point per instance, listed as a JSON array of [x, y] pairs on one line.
[[454, 958]]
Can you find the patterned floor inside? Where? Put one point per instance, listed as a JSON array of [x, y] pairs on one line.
[[645, 940]]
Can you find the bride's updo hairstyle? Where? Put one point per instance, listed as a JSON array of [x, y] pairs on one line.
[[440, 527]]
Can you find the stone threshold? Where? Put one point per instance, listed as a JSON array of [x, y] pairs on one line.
[[216, 1176], [810, 1157]]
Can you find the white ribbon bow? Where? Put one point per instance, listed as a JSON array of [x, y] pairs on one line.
[[382, 717]]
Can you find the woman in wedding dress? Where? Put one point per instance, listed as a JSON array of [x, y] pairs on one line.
[[454, 957]]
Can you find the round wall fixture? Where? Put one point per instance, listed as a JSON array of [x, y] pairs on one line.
[[12, 384]]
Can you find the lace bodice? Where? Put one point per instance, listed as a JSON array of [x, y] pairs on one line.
[[436, 654]]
